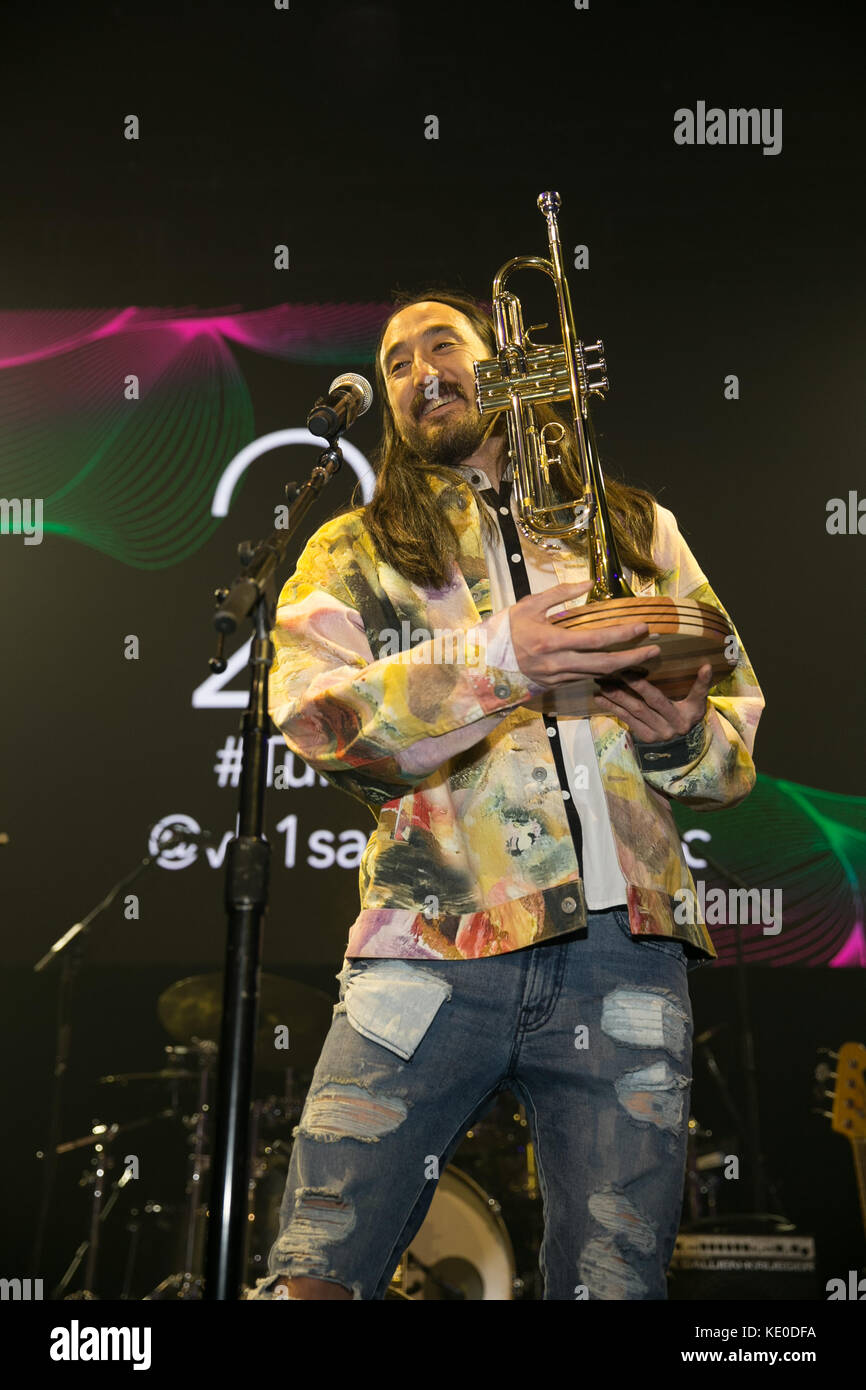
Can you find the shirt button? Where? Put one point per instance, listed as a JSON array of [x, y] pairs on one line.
[[504, 511], [502, 691], [551, 732], [566, 796], [568, 904], [515, 559], [477, 478], [539, 773]]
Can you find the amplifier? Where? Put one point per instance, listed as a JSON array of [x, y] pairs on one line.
[[739, 1265]]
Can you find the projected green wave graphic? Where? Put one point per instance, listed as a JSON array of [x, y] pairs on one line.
[[123, 422], [808, 845]]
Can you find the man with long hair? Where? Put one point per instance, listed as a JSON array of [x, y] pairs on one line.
[[520, 925]]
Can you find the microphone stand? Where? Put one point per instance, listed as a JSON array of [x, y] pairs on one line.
[[252, 595]]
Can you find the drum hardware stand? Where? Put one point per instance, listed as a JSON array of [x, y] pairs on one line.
[[452, 1292], [199, 1163], [133, 1229], [700, 1199], [749, 1126], [257, 1168], [703, 1042], [95, 1177], [188, 1284], [71, 947], [251, 596]]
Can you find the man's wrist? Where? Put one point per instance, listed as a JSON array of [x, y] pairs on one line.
[[675, 752]]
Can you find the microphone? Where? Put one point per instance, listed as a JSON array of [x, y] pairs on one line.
[[348, 397]]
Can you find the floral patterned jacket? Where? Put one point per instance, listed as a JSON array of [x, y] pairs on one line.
[[446, 751]]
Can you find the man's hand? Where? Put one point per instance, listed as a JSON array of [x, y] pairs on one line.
[[551, 655], [650, 715]]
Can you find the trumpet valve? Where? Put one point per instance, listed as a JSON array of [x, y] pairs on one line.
[[546, 458]]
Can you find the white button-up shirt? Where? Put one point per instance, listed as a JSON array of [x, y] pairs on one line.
[[604, 883]]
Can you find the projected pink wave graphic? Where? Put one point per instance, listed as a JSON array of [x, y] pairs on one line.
[[306, 333], [123, 420]]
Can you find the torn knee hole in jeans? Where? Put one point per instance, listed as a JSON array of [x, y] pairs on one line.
[[319, 1219], [604, 1266], [618, 1215], [654, 1095], [646, 1018], [347, 1110], [606, 1272]]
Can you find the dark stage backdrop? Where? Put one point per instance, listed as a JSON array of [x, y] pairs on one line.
[[158, 347], [205, 211]]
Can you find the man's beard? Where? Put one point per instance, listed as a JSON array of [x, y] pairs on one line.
[[450, 443]]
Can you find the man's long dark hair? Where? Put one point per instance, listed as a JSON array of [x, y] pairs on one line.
[[405, 518]]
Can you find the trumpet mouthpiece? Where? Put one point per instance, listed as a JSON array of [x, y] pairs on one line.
[[549, 202]]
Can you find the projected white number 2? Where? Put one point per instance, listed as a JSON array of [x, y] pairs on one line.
[[211, 694]]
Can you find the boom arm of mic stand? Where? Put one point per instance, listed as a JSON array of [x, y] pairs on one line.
[[249, 586]]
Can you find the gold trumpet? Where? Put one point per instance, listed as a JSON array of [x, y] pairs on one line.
[[525, 374]]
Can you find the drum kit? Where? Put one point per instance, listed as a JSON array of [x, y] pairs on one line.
[[472, 1244]]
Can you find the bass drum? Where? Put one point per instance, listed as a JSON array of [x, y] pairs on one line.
[[462, 1251]]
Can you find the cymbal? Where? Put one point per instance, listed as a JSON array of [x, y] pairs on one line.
[[191, 1010]]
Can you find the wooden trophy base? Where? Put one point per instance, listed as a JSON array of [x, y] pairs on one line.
[[690, 635]]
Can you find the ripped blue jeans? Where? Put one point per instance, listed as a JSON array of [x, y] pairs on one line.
[[593, 1032]]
